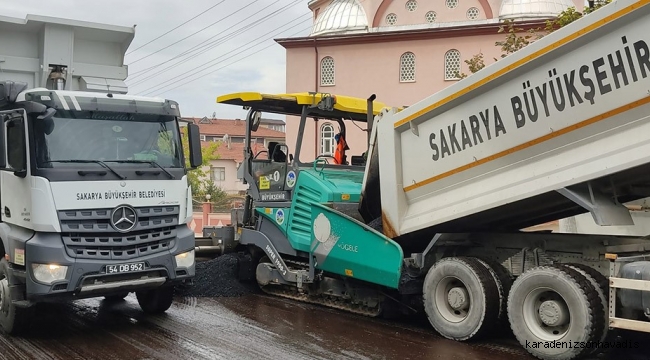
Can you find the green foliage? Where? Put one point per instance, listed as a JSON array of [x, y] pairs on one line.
[[475, 64], [218, 197], [513, 41], [565, 18], [199, 178]]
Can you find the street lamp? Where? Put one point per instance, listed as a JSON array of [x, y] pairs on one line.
[[208, 196]]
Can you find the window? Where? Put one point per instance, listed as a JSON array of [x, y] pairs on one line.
[[407, 67], [218, 174], [452, 3], [327, 71], [327, 139], [472, 13], [430, 16], [391, 19], [202, 137], [411, 5], [452, 64]]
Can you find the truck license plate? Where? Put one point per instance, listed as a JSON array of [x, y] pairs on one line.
[[124, 268]]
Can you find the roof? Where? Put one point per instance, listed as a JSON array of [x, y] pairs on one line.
[[237, 127], [235, 152], [340, 16], [267, 121], [408, 32], [346, 107], [521, 9], [85, 29]]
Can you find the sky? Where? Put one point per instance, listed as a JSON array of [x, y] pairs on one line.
[[227, 47]]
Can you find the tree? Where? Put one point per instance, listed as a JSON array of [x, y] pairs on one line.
[[199, 178]]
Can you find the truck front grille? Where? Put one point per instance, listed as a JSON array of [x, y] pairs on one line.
[[88, 234]]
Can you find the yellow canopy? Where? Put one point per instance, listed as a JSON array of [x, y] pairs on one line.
[[345, 107]]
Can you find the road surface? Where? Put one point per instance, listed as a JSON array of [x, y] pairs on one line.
[[253, 326], [249, 327]]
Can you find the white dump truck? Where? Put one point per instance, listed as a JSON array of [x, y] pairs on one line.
[[94, 196]]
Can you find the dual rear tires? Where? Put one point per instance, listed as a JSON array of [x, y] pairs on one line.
[[556, 312]]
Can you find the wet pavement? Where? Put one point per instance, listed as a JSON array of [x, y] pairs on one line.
[[250, 327]]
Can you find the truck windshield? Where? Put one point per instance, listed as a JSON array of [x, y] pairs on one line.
[[106, 136]]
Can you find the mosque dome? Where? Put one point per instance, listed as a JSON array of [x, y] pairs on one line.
[[527, 9], [340, 16]]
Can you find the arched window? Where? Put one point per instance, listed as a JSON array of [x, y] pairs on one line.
[[452, 64], [407, 67], [327, 139], [327, 71]]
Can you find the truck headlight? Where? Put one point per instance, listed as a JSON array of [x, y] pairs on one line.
[[49, 273], [185, 259]]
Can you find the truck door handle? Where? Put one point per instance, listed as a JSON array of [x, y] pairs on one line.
[[7, 212]]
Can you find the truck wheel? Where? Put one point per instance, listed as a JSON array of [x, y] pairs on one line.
[[553, 308], [503, 280], [600, 283], [461, 298], [156, 301], [377, 225], [117, 297], [13, 320]]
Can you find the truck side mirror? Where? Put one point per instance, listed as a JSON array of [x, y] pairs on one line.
[[3, 146], [255, 119], [15, 145], [194, 140]]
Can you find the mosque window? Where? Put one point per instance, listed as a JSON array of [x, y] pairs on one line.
[[431, 16], [327, 141], [472, 13], [391, 19], [407, 67], [411, 5], [452, 64], [327, 71], [452, 3]]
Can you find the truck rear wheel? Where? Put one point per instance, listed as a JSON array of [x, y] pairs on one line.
[[552, 309], [156, 301], [461, 298], [601, 285], [13, 320], [503, 280]]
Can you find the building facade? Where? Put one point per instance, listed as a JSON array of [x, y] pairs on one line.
[[231, 134], [401, 50]]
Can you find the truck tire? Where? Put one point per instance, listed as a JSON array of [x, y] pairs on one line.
[[555, 312], [13, 320], [601, 285], [461, 298], [377, 225], [503, 280], [156, 301], [117, 297]]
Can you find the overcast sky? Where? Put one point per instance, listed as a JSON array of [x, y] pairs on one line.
[[228, 59]]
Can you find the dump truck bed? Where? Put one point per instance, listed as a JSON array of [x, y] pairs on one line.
[[516, 144]]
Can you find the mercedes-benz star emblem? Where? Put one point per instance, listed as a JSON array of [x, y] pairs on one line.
[[124, 218]]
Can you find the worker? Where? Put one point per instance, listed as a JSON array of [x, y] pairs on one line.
[[341, 146]]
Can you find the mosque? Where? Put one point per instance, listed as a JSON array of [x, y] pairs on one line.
[[400, 50]]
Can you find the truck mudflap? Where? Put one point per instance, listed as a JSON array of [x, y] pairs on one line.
[[345, 246]]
